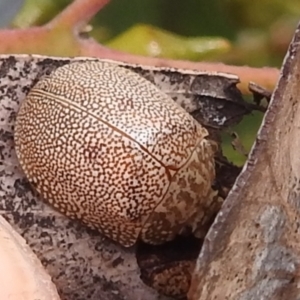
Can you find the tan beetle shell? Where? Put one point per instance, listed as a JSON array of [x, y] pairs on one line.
[[104, 145]]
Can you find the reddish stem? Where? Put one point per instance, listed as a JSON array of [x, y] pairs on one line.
[[79, 12], [266, 77]]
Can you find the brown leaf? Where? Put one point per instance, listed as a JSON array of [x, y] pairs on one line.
[[252, 251]]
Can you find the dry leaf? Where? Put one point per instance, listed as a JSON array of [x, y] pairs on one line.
[[252, 251], [22, 275]]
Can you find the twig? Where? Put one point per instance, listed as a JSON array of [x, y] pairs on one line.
[[266, 77], [78, 13]]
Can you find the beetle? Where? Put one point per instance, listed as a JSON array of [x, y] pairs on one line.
[[105, 146]]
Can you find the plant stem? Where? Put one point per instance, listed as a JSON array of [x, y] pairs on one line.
[[78, 13], [266, 77]]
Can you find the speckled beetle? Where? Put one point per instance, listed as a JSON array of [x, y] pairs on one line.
[[104, 145]]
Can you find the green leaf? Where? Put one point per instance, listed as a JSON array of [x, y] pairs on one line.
[[151, 41]]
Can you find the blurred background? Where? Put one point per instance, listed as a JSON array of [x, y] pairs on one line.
[[255, 32], [8, 9], [240, 32]]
